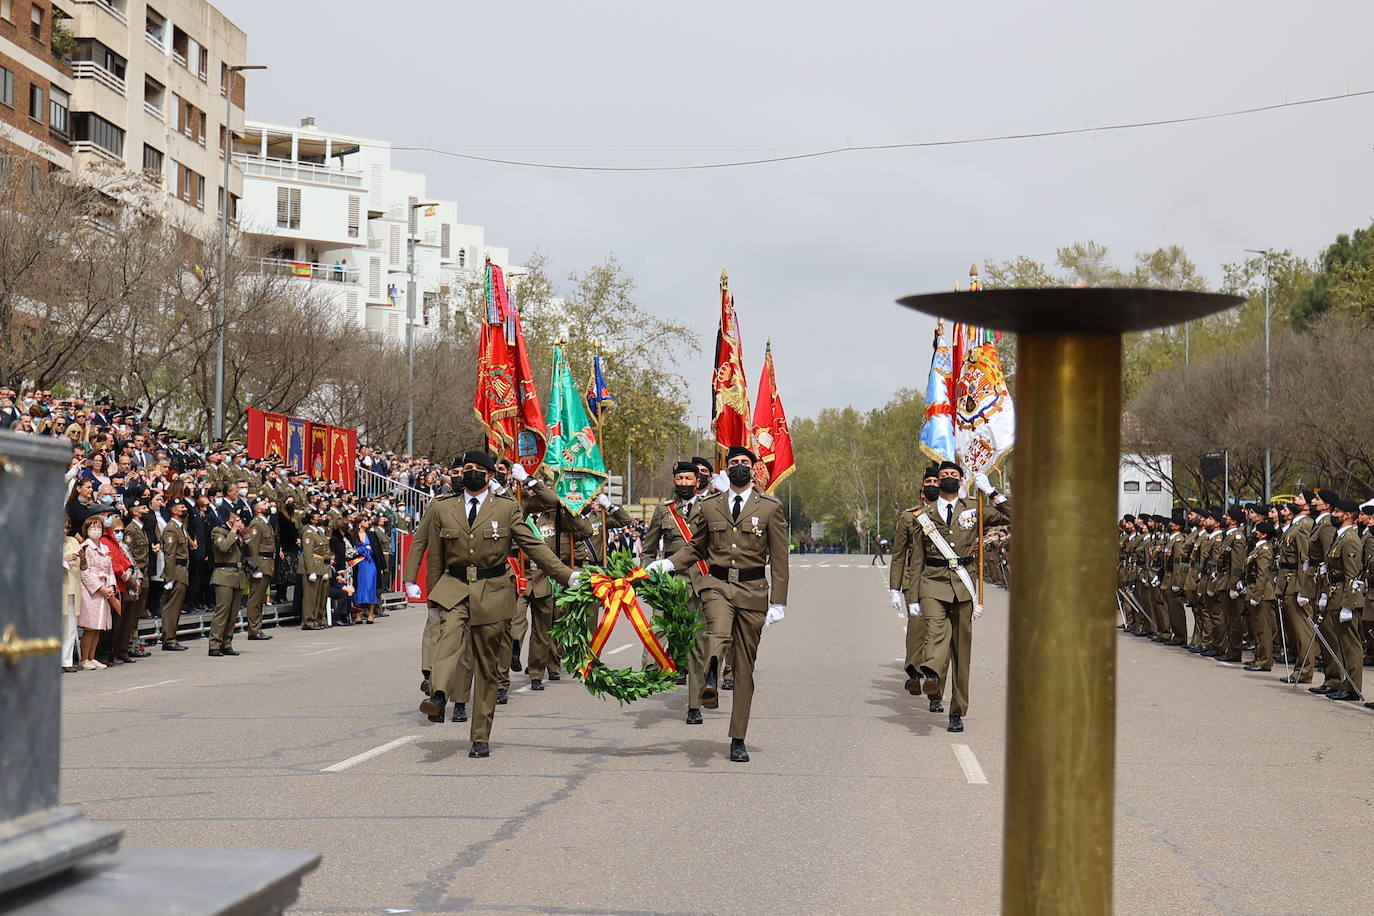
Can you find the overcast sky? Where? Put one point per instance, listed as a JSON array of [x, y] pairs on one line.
[[819, 249]]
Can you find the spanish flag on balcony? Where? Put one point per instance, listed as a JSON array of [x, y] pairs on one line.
[[300, 268]]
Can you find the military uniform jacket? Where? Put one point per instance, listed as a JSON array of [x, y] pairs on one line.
[[1368, 541], [1175, 562], [1231, 557], [486, 544], [1192, 571], [663, 537], [1294, 574], [1259, 573], [904, 541], [262, 546], [614, 520], [556, 525], [136, 546], [929, 569], [1209, 553], [315, 556], [1344, 563], [757, 540], [176, 552], [227, 553], [1323, 536]]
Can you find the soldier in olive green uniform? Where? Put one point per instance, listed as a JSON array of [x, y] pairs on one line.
[[1297, 605], [561, 530], [226, 548], [472, 534], [1192, 573], [262, 554], [1231, 557], [1344, 605], [1323, 536], [741, 536], [664, 537], [140, 552], [1261, 596], [176, 556], [903, 585], [314, 568], [1175, 573]]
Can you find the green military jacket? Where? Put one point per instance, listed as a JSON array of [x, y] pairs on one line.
[[136, 545], [262, 546], [662, 537], [227, 554], [461, 549], [176, 552], [1344, 564], [1231, 556], [929, 569], [315, 556], [1323, 536], [1259, 573], [1295, 576], [557, 526], [757, 540]]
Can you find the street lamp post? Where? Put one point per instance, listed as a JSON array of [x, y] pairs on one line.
[[222, 308], [1268, 287], [412, 229]]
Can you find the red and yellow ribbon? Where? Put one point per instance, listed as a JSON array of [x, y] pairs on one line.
[[618, 595]]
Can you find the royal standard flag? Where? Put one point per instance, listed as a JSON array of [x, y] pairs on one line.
[[574, 454], [937, 432], [985, 418]]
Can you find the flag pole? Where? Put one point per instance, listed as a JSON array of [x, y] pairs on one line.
[[596, 392], [974, 286], [715, 413]]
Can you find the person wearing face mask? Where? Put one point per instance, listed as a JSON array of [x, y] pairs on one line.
[[668, 532], [314, 569], [471, 535], [136, 544], [741, 536], [262, 553], [941, 559], [98, 591], [1341, 607], [903, 586], [1260, 594], [176, 558]]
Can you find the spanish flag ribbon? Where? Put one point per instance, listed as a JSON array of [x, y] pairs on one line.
[[618, 595]]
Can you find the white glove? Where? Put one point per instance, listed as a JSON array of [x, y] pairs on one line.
[[1155, 582], [663, 566], [897, 599], [1254, 602], [496, 487], [913, 610], [1233, 594], [1177, 589], [980, 480], [977, 610], [412, 591], [313, 577], [257, 575], [1143, 582], [774, 615], [604, 501], [168, 586], [1240, 588], [1321, 602], [1211, 594], [1322, 569], [575, 578], [1347, 615], [720, 481], [519, 473], [1304, 601], [434, 614]]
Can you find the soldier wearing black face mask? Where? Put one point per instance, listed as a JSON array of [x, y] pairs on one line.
[[903, 585]]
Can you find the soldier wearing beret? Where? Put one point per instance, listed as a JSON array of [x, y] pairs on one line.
[[1296, 574], [1261, 596], [262, 553], [1342, 607], [903, 585]]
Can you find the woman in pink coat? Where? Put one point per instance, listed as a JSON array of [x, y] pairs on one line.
[[97, 590]]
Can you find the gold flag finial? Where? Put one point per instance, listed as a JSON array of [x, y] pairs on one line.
[[973, 269], [724, 279]]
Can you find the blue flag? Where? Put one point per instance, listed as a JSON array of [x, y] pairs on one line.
[[937, 432], [598, 394]]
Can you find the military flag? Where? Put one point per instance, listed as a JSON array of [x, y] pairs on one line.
[[574, 454], [984, 416], [770, 433], [295, 443], [506, 400], [598, 394], [729, 390], [937, 432]]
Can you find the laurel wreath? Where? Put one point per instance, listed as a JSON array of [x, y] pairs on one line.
[[675, 624]]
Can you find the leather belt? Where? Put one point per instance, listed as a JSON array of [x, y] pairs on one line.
[[1335, 578], [1289, 566], [267, 556], [737, 575], [473, 573], [226, 566], [182, 562], [941, 561]]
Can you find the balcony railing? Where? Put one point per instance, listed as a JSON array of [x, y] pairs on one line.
[[154, 110], [298, 171], [108, 7], [94, 149], [155, 41], [90, 70], [307, 270], [179, 57]]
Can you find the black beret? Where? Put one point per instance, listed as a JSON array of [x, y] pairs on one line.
[[1328, 496], [703, 461], [1266, 528], [1179, 514], [1346, 505], [477, 457], [1236, 514], [933, 471], [1307, 495], [1367, 508], [1128, 518], [684, 467], [737, 450], [949, 466]]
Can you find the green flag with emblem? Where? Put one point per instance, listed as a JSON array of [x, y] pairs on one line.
[[574, 453]]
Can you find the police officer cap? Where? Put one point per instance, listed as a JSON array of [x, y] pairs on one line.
[[1266, 528], [477, 457], [684, 467], [1236, 514], [703, 462], [949, 466], [737, 450]]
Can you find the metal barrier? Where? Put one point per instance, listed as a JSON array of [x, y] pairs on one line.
[[408, 502]]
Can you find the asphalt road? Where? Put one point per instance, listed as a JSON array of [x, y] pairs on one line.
[[1235, 794]]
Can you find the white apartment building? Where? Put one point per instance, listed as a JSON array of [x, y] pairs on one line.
[[344, 221], [150, 91]]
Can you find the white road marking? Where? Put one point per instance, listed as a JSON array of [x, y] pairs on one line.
[[844, 565], [973, 772], [524, 689], [824, 565], [368, 755], [628, 645], [143, 686], [321, 651], [1229, 664]]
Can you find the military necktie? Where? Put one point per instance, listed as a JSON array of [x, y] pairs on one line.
[[472, 511], [949, 516], [735, 512]]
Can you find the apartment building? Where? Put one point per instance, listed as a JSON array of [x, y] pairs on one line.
[[152, 91], [339, 218], [35, 83]]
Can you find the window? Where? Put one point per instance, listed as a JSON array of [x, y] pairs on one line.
[[288, 208], [190, 186], [59, 104], [200, 191], [36, 21], [89, 126], [5, 10], [355, 205], [36, 103], [1154, 486], [1131, 486], [152, 160], [7, 87], [98, 54]]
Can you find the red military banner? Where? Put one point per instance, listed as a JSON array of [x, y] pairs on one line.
[[317, 453], [274, 436], [343, 455], [257, 432], [729, 390], [772, 438]]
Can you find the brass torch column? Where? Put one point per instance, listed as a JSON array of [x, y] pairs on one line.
[[1061, 713]]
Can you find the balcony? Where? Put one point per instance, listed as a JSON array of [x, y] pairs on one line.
[[154, 110], [90, 70], [94, 149], [309, 271], [298, 171], [179, 58], [155, 41], [108, 7]]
